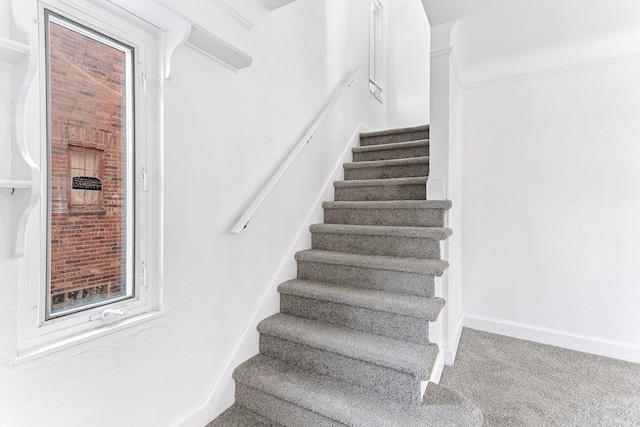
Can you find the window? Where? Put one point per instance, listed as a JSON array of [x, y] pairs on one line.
[[86, 173], [89, 80], [375, 50], [95, 258]]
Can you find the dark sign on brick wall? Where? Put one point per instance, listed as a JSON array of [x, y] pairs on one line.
[[86, 183]]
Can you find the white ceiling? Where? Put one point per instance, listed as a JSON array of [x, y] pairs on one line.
[[494, 29], [613, 12]]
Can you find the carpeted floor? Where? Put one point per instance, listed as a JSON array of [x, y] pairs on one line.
[[521, 383]]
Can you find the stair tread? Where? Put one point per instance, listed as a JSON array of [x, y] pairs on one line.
[[387, 132], [403, 304], [388, 204], [351, 342], [436, 233], [391, 146], [351, 404], [380, 350], [237, 416], [388, 163], [379, 262], [420, 180]]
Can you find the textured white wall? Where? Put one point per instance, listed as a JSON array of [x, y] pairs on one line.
[[225, 134], [550, 229], [409, 45], [5, 160]]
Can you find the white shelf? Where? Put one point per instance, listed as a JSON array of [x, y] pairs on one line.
[[15, 183], [11, 50], [8, 186], [217, 49]]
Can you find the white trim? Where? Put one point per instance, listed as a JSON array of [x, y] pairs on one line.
[[246, 215], [551, 71], [555, 337], [29, 355], [438, 368], [436, 188], [451, 350], [202, 412], [167, 16], [377, 60], [233, 14], [440, 52]]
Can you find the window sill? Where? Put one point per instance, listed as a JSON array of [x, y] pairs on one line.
[[87, 211], [108, 329]]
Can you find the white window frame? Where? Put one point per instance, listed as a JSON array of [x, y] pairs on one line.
[[376, 60], [37, 334]]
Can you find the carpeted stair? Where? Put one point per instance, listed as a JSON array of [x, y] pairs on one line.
[[350, 346]]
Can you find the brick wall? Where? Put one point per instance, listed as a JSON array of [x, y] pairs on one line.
[[87, 104]]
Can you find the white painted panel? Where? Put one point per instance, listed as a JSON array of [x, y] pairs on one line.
[[408, 59]]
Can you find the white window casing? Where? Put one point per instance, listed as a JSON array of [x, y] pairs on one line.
[[39, 333], [376, 60]]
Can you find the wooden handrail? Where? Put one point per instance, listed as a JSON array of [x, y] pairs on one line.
[[244, 219]]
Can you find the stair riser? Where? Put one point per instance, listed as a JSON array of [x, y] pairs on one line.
[[399, 137], [381, 193], [288, 414], [406, 328], [386, 280], [399, 153], [384, 172], [377, 245], [387, 217], [386, 382], [237, 415]]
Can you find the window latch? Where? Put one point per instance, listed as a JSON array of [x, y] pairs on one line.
[[145, 186], [144, 275], [144, 84], [109, 313]]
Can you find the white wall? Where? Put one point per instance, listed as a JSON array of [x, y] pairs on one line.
[[225, 132], [409, 40], [444, 183], [550, 183]]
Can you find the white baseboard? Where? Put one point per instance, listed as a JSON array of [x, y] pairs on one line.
[[451, 349], [558, 338], [220, 394]]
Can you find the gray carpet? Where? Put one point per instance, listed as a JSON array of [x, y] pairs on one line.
[[521, 383], [350, 346]]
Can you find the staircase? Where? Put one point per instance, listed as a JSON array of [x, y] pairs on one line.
[[350, 346]]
